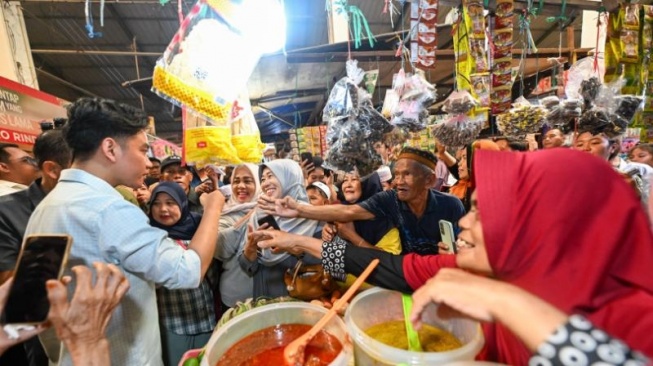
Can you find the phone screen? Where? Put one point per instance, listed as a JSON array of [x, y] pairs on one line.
[[41, 259], [270, 221]]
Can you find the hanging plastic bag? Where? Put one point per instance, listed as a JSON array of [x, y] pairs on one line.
[[345, 96], [415, 96], [246, 137], [522, 119], [353, 126], [459, 128], [207, 142], [197, 70]]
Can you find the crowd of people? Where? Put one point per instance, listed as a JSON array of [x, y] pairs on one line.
[[549, 243]]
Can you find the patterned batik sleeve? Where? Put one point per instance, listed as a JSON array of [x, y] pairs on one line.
[[578, 342], [333, 257]]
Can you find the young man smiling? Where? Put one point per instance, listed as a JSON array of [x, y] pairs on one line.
[[413, 207]]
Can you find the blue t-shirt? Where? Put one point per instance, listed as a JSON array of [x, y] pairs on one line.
[[417, 235]]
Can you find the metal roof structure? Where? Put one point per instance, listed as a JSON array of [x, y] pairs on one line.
[[287, 89]]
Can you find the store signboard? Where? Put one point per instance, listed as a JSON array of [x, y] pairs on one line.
[[22, 109], [161, 149]]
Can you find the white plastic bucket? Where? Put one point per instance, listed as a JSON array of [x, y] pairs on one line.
[[377, 306], [271, 315]]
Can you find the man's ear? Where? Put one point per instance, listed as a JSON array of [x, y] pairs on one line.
[[51, 170], [4, 168], [110, 148]]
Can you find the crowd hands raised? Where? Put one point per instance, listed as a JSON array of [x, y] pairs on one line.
[[546, 251]]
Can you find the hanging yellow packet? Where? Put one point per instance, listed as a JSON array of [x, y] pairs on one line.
[[246, 137], [207, 142]]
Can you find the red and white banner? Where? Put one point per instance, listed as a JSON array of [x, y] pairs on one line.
[[21, 111]]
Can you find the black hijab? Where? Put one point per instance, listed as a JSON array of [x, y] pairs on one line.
[[371, 230], [185, 228]]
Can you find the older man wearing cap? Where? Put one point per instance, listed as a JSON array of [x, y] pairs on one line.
[[413, 207]]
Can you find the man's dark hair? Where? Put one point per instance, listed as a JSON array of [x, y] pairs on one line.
[[517, 145], [51, 146], [153, 159], [91, 120], [4, 155]]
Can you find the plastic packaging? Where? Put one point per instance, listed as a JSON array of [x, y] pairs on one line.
[[522, 119], [459, 129], [377, 305], [353, 126], [415, 96], [271, 315], [193, 71], [245, 135]]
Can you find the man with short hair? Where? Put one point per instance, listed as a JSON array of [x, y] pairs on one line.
[[154, 172], [52, 156], [413, 207], [17, 169], [110, 145], [553, 138], [173, 171]]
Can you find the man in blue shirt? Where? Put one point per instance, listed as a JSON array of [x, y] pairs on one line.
[[109, 146], [414, 208]]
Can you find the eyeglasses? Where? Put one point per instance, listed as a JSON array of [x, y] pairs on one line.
[[28, 160]]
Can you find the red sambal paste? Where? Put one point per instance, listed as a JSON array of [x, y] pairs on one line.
[[265, 347]]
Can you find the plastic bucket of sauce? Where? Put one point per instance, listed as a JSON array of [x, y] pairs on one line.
[[377, 306], [269, 316]]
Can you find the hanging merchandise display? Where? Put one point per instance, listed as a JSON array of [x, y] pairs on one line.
[[460, 127], [561, 113], [424, 33], [245, 135], [207, 142], [353, 125], [416, 95], [501, 65], [197, 71], [522, 119], [610, 112]]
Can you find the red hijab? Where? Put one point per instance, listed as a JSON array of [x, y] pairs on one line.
[[564, 226]]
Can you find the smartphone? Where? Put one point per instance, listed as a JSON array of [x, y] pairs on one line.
[[42, 258], [306, 156], [448, 236], [270, 221]]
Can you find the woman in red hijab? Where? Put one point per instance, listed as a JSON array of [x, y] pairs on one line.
[[566, 228]]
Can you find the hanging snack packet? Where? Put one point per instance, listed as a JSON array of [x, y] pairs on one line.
[[207, 142], [344, 97], [416, 95], [353, 126], [460, 127], [196, 71], [245, 135], [521, 120]]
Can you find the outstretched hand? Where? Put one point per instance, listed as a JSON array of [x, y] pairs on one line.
[[283, 207], [278, 241], [84, 319]]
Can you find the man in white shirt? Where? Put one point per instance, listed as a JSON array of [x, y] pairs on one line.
[[18, 169], [110, 146]]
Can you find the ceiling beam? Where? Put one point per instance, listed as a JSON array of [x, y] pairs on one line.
[[365, 56], [97, 52], [556, 26]]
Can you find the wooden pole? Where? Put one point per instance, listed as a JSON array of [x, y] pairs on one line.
[[571, 44]]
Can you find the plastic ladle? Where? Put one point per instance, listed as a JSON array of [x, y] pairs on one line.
[[413, 338], [293, 354]]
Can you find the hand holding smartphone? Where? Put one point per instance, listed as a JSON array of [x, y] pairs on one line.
[[42, 258], [270, 221], [448, 236]]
